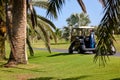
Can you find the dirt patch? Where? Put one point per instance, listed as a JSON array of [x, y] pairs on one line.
[[24, 76]]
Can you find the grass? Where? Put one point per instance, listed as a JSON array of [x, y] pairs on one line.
[[62, 66], [61, 44]]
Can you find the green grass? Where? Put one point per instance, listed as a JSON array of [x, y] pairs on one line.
[[61, 44], [62, 66]]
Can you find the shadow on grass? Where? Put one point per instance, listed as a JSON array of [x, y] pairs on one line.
[[58, 43], [32, 57], [59, 54], [115, 79], [29, 69], [51, 78], [65, 54]]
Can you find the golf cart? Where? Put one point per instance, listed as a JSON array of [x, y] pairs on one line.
[[83, 40]]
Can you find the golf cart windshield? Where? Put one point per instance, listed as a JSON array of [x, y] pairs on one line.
[[81, 31]]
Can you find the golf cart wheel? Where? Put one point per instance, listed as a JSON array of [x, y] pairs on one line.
[[113, 52], [94, 51], [70, 51], [80, 51]]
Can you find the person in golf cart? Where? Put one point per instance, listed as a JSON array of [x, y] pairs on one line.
[[92, 39], [83, 42]]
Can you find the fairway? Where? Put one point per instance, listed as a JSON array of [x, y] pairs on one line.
[[62, 66]]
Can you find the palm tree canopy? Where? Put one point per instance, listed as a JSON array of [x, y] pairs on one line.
[[79, 19], [56, 6]]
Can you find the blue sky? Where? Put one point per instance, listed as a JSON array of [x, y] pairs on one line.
[[94, 10]]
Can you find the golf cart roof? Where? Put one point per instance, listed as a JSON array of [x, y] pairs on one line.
[[84, 27]]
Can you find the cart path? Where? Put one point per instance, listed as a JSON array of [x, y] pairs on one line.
[[66, 51], [53, 50]]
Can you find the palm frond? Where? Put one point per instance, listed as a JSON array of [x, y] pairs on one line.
[[33, 14], [82, 5], [108, 24], [29, 46], [54, 7], [44, 35], [2, 11], [47, 21], [47, 25], [41, 4]]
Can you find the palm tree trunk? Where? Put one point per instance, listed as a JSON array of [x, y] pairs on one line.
[[18, 34]]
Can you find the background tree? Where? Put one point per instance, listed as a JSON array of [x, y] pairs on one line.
[[58, 33], [66, 33], [75, 20], [2, 30], [81, 19]]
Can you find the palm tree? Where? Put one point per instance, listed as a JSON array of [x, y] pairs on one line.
[[79, 19], [40, 25], [18, 34], [109, 22], [42, 4], [33, 15]]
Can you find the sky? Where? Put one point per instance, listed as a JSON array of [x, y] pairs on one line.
[[94, 11]]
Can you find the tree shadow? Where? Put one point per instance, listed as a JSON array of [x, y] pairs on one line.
[[41, 78], [65, 54], [51, 78], [7, 71], [87, 53], [29, 69], [59, 54], [59, 43], [32, 57], [77, 78], [115, 79]]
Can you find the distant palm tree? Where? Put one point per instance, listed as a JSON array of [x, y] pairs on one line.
[[109, 22], [58, 33], [78, 19], [66, 33]]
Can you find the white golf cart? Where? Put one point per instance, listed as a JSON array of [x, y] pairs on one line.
[[82, 41]]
